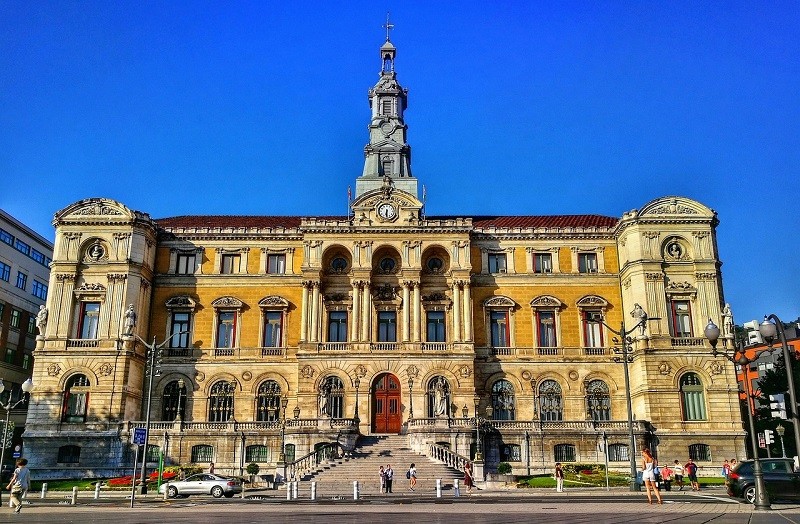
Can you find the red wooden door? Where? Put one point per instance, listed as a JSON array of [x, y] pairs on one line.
[[386, 417]]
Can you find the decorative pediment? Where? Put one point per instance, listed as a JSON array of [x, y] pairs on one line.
[[97, 207], [499, 301], [180, 301], [592, 301], [91, 286], [227, 302], [680, 288], [546, 301], [676, 205]]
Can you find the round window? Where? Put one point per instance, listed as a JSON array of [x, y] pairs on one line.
[[339, 264], [387, 265], [435, 264]]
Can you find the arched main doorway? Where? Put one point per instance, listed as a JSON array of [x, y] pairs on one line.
[[386, 416]]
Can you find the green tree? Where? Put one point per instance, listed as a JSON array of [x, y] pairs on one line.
[[774, 382]]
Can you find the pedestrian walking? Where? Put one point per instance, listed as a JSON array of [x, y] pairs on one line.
[[649, 476], [677, 470], [20, 483], [559, 476], [383, 479], [412, 476], [389, 473], [691, 471], [211, 468], [726, 468], [468, 482]]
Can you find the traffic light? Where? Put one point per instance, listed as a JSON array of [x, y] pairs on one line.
[[769, 436]]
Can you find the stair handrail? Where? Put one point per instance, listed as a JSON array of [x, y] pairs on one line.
[[331, 450], [449, 457]]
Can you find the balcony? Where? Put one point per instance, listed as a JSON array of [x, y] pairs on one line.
[[83, 343]]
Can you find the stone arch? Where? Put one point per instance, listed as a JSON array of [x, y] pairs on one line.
[[269, 375], [513, 379], [599, 375], [80, 369], [335, 251], [224, 377], [553, 375]]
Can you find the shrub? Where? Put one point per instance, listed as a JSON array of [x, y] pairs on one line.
[[504, 468], [253, 469]]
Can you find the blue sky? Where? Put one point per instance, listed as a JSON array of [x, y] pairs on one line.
[[514, 108]]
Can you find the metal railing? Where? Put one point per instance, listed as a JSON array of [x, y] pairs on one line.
[[309, 463], [83, 342]]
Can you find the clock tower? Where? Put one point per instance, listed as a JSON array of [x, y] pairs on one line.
[[387, 154]]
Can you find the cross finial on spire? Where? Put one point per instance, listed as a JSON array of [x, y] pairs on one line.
[[388, 26]]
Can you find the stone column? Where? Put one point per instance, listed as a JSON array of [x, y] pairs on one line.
[[65, 304], [456, 312], [304, 312], [315, 312], [366, 316], [415, 326], [356, 311], [467, 312], [406, 311]]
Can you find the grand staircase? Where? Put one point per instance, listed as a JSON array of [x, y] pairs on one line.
[[335, 477]]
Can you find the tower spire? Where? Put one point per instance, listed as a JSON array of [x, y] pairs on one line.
[[387, 154]]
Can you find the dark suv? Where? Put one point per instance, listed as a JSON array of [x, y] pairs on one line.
[[780, 478]]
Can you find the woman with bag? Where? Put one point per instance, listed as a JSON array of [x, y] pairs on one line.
[[468, 482], [19, 484], [649, 466]]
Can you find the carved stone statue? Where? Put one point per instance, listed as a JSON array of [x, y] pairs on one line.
[[130, 321], [440, 397], [324, 399], [41, 320], [641, 317], [727, 320]]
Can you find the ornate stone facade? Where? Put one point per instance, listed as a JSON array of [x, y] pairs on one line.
[[322, 328]]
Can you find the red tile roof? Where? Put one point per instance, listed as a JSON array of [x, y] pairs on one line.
[[479, 222]]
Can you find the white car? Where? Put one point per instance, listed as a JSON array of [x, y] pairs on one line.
[[203, 484]]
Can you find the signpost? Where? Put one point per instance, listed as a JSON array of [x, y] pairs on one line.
[[139, 437]]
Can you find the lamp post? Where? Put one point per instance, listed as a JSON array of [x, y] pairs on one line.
[[478, 442], [769, 329], [27, 386], [410, 398], [150, 370], [181, 386], [626, 359], [780, 430], [711, 331], [356, 419]]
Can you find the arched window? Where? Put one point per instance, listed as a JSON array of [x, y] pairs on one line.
[[76, 399], [438, 397], [551, 407], [202, 453], [173, 402], [331, 397], [268, 402], [692, 397], [220, 402], [69, 454], [503, 400], [598, 401], [564, 453], [618, 452], [256, 453]]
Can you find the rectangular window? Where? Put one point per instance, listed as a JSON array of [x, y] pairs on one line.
[[587, 262], [231, 264], [386, 107], [276, 264], [180, 323], [546, 323], [202, 454], [542, 263], [22, 280], [39, 290], [6, 237], [700, 452], [185, 264], [15, 316], [436, 327], [387, 326], [564, 453], [2, 310], [592, 329], [26, 361], [272, 329], [337, 326], [22, 247], [89, 320], [39, 257], [681, 319], [5, 271], [617, 452], [10, 355], [498, 323], [497, 263], [31, 325], [226, 329]]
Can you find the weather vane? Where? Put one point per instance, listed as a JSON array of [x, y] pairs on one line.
[[388, 26]]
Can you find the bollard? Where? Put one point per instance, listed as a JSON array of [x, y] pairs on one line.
[[166, 490], [313, 490], [44, 489], [288, 491], [438, 488], [96, 491], [456, 489], [294, 490], [355, 490], [74, 495]]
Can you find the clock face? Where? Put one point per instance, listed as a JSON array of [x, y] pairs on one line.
[[386, 211], [387, 128]]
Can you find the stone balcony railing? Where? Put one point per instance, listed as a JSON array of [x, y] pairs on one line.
[[234, 427], [533, 426]]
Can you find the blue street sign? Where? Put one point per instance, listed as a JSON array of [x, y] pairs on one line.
[[139, 436]]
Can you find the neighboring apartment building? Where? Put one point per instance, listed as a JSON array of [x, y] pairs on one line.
[[286, 333], [25, 258]]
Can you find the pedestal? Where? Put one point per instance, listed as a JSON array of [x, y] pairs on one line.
[[478, 471]]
